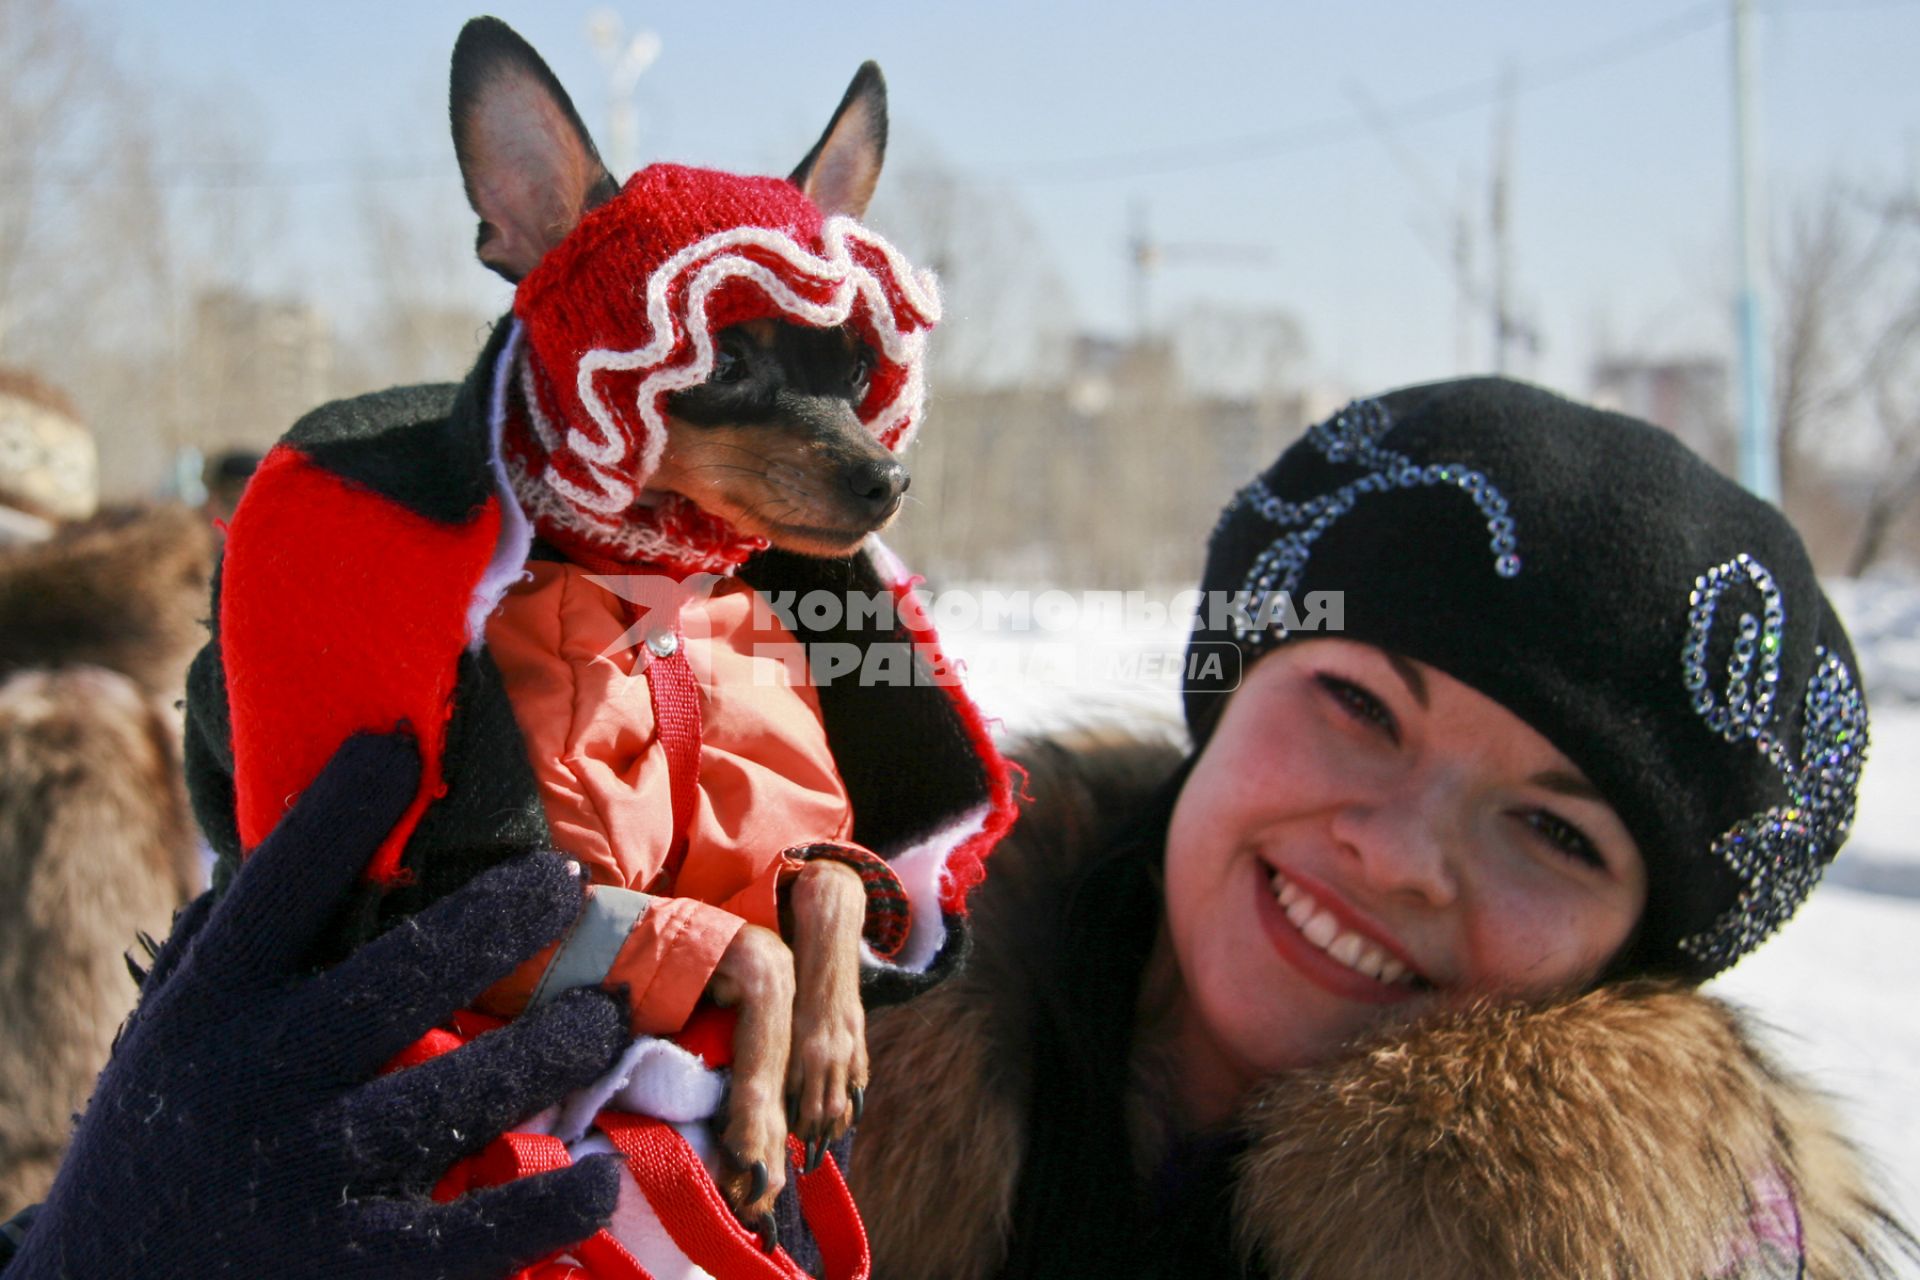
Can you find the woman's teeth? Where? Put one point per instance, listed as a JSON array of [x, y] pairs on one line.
[[1318, 926]]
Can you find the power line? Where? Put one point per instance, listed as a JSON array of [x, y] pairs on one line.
[[1437, 105], [1836, 6], [213, 175]]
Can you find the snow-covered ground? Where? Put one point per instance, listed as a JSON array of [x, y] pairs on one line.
[[1838, 985]]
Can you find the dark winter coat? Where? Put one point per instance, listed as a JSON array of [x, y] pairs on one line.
[[1635, 1131]]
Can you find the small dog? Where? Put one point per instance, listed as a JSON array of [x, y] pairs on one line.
[[773, 445]]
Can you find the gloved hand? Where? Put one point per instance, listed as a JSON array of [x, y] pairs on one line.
[[242, 1127]]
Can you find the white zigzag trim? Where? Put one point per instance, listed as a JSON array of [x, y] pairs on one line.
[[615, 494], [530, 392], [850, 280]]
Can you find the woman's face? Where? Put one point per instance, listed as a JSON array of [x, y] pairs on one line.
[[1364, 836]]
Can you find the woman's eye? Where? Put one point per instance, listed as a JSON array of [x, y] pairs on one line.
[[1563, 836], [1360, 704], [727, 366]]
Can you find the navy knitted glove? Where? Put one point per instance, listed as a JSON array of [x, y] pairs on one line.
[[242, 1127]]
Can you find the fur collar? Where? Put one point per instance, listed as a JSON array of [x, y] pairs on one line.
[[125, 590], [1637, 1131]]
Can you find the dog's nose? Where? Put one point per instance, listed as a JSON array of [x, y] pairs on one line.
[[876, 485]]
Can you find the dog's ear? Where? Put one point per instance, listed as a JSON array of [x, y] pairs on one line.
[[840, 172], [530, 169]]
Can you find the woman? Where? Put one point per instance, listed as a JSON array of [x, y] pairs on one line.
[[1395, 976]]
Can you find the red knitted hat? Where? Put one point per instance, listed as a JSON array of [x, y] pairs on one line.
[[625, 309]]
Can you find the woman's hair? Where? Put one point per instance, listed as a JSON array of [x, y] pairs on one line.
[[1662, 627]]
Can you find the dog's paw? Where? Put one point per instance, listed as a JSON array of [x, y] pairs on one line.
[[755, 1140], [826, 1070]]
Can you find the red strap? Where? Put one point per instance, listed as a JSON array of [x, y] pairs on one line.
[[688, 1204], [676, 702], [834, 1219], [606, 1258], [676, 713], [521, 1155], [509, 1156]]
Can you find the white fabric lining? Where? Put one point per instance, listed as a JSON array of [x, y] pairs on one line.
[[922, 869], [509, 563]]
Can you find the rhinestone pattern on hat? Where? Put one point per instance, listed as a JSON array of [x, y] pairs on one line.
[[1351, 436], [1779, 854]]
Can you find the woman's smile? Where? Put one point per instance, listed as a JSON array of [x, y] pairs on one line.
[[1322, 938]]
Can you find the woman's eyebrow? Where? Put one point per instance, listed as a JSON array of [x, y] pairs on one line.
[[1416, 683], [1568, 784]]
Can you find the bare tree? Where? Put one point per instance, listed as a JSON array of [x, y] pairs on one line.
[[1895, 490], [1008, 313], [106, 252], [1846, 396], [44, 60], [426, 305]]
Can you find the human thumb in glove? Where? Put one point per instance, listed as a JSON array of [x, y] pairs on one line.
[[243, 1127]]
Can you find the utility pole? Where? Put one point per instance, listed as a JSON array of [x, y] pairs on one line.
[[1452, 244], [1759, 451], [626, 60], [1147, 255], [1459, 255], [1499, 197]]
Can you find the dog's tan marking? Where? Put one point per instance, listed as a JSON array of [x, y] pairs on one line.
[[764, 481]]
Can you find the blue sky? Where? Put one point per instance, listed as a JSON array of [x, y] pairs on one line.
[[1078, 112]]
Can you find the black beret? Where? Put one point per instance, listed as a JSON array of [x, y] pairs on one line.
[[1660, 625]]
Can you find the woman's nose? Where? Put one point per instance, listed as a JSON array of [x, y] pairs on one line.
[[1406, 842]]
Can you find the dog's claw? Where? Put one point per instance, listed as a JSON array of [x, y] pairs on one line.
[[758, 1188], [859, 1096], [816, 1151], [769, 1233]]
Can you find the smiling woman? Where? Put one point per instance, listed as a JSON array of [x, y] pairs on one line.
[[1395, 973], [1365, 834]]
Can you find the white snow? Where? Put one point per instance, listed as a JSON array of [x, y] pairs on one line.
[[1837, 985], [1839, 981]]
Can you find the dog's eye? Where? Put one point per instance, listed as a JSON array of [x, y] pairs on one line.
[[862, 376], [728, 366]]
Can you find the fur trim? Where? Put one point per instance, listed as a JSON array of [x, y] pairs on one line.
[[1631, 1132], [127, 590], [1623, 1133], [942, 1140], [95, 847]]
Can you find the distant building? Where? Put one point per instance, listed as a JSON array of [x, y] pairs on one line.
[[1108, 476], [1687, 396]]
